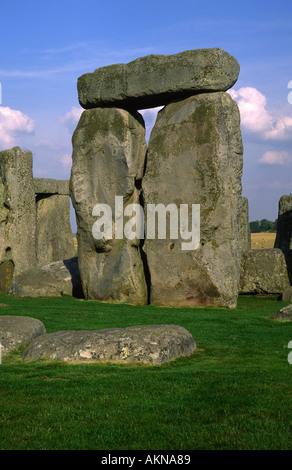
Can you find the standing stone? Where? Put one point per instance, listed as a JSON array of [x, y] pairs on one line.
[[195, 157], [17, 210], [245, 238], [109, 150], [284, 224], [54, 238], [155, 80]]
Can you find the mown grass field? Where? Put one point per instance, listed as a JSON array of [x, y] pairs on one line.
[[260, 241], [234, 392]]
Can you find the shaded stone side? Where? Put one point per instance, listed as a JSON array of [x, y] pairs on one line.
[[54, 238], [17, 210], [109, 150], [195, 157], [245, 237], [156, 80], [284, 224]]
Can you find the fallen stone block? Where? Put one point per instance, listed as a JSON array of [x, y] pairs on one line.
[[154, 344], [16, 331], [51, 186], [263, 272], [284, 314], [51, 280], [156, 80]]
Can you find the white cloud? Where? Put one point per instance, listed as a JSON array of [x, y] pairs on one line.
[[255, 117], [275, 157], [71, 118], [12, 124], [66, 160]]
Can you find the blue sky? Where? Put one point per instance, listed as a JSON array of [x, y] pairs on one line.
[[46, 46]]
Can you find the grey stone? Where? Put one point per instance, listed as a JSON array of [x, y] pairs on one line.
[[245, 237], [109, 150], [51, 186], [17, 209], [156, 80], [154, 344], [195, 157], [284, 224], [284, 314], [52, 280], [287, 294], [16, 331], [54, 238], [6, 274], [263, 272]]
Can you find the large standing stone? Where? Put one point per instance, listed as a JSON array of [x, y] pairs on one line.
[[153, 344], [17, 210], [54, 238], [155, 80], [263, 272], [109, 150], [195, 157]]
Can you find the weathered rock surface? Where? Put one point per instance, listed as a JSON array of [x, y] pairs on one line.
[[51, 280], [51, 186], [263, 272], [284, 314], [54, 239], [245, 238], [195, 157], [16, 331], [284, 224], [17, 210], [287, 294], [154, 344], [156, 80], [109, 150]]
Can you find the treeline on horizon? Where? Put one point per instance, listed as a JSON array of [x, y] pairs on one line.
[[264, 225]]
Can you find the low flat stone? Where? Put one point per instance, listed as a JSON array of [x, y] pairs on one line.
[[16, 331], [51, 280], [156, 80], [284, 314], [154, 344]]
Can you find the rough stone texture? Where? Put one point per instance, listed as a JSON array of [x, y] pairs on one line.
[[17, 209], [287, 294], [156, 80], [54, 238], [284, 224], [195, 157], [109, 150], [284, 314], [154, 344], [16, 331], [51, 186], [52, 280], [6, 274], [263, 271], [245, 238]]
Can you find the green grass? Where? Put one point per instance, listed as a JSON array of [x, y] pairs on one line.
[[234, 392]]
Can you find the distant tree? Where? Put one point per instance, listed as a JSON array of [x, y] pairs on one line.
[[255, 226], [265, 225]]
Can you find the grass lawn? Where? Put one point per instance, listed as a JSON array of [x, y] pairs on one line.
[[234, 392]]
